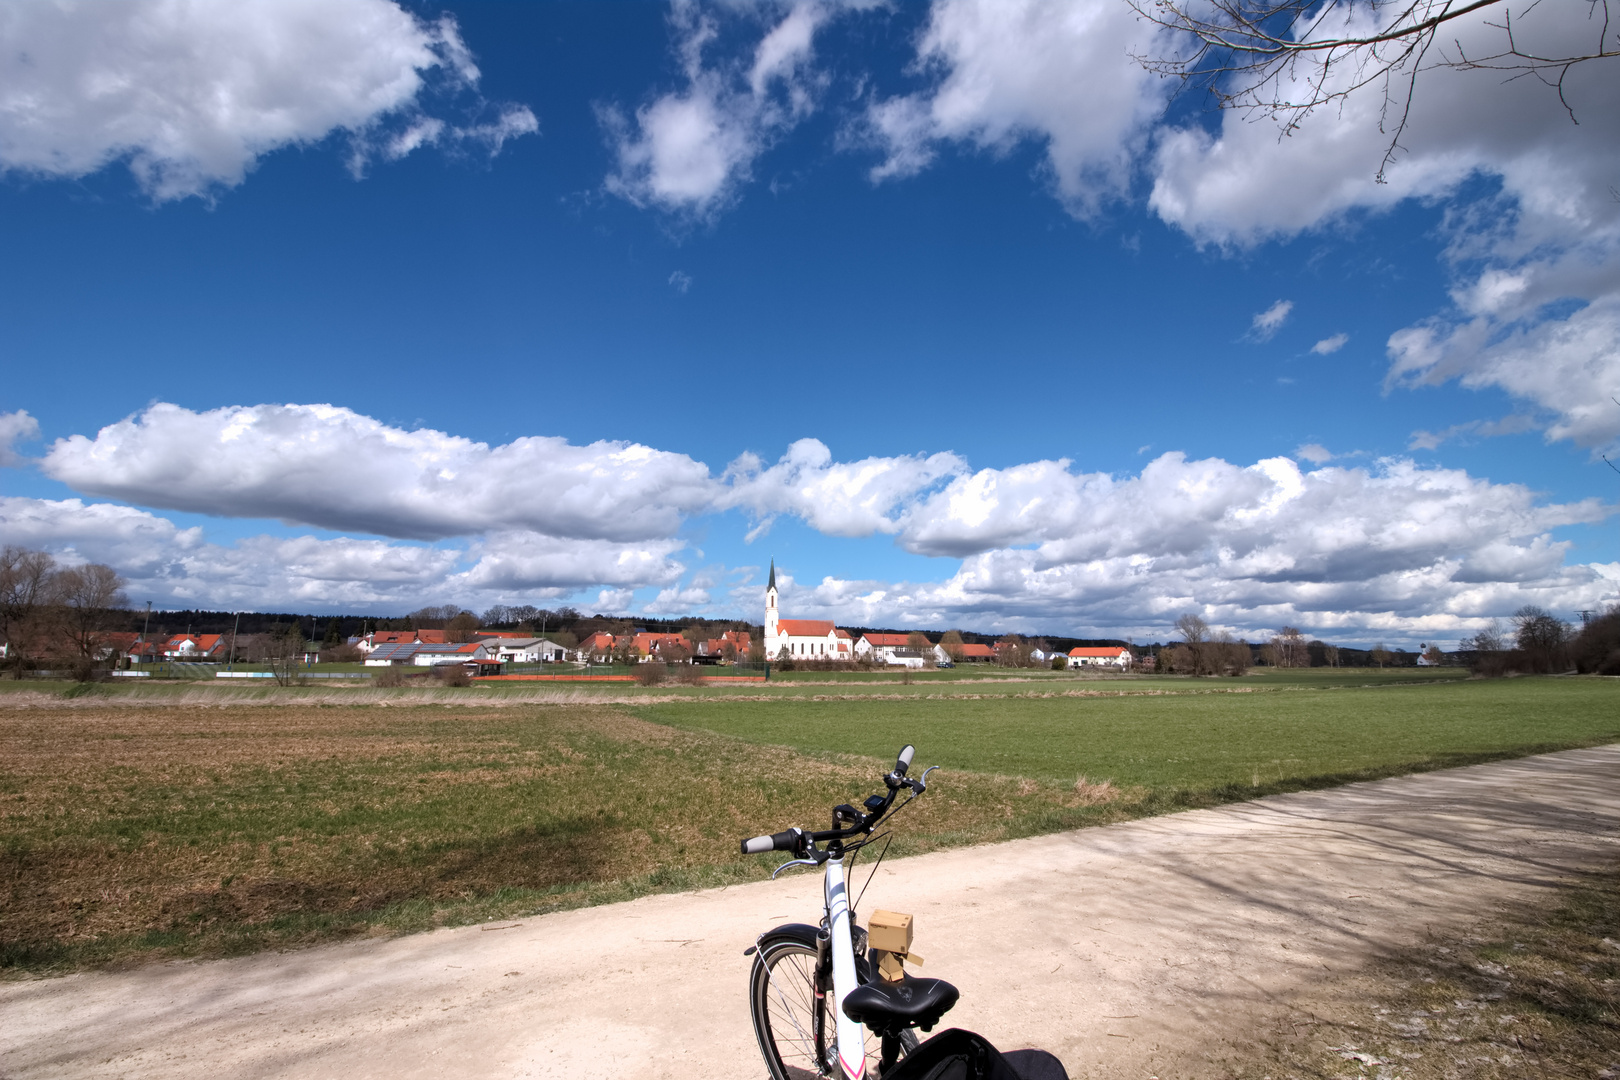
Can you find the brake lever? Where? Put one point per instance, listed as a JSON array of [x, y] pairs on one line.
[[793, 862], [921, 783]]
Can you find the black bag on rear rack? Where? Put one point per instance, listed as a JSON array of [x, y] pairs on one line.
[[955, 1054]]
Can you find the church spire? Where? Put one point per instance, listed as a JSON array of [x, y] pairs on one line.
[[772, 583]]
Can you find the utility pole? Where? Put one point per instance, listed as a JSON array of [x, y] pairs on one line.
[[231, 661], [146, 645]]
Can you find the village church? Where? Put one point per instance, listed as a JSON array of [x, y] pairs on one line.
[[801, 639]]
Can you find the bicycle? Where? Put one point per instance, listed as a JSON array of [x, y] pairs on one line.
[[809, 982]]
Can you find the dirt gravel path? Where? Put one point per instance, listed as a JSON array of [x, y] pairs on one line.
[[1154, 947]]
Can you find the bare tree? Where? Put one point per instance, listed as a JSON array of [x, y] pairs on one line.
[[1381, 655], [27, 579], [458, 629], [1288, 58], [1290, 649], [285, 649], [1490, 639], [434, 617], [90, 598], [1542, 638], [1013, 651], [951, 642], [1195, 632], [1177, 659], [1331, 654], [1227, 656]]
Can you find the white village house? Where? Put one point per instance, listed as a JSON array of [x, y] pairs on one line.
[[801, 639], [897, 650], [1115, 656], [533, 650]]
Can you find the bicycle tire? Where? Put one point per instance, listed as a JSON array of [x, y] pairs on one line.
[[782, 999]]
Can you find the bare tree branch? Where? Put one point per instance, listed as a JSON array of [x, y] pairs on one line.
[[1276, 56]]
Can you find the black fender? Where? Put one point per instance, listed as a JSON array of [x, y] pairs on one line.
[[797, 932]]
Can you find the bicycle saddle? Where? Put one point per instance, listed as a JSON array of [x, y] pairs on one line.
[[889, 1008]]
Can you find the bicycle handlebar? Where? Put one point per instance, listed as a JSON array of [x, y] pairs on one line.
[[798, 840], [787, 840]]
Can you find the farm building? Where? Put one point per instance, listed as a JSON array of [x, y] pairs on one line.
[[1117, 656]]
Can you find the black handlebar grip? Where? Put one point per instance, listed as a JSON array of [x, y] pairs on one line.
[[787, 840]]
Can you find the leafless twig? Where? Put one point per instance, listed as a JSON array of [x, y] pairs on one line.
[[1276, 57]]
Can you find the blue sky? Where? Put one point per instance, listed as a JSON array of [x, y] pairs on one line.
[[560, 291]]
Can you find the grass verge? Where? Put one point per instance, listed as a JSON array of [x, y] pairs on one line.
[[1534, 992]]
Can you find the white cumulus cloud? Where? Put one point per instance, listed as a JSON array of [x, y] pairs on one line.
[[15, 427], [687, 151], [191, 94], [1264, 326], [179, 567], [1006, 70], [1315, 453], [856, 498], [333, 468]]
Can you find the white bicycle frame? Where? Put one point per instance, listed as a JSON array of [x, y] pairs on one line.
[[851, 1041]]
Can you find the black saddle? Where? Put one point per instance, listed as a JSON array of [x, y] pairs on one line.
[[963, 1055], [889, 1008]]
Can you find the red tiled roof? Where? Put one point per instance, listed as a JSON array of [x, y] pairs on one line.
[[804, 627], [1109, 652], [204, 642], [431, 637], [978, 650], [647, 644], [888, 639]]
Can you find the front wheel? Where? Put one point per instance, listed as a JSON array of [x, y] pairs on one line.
[[795, 1025]]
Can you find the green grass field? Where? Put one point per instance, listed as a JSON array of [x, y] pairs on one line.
[[1287, 733], [150, 821]]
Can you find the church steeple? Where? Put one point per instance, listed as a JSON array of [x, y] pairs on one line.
[[771, 614]]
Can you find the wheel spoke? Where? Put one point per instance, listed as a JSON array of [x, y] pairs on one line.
[[785, 1006]]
